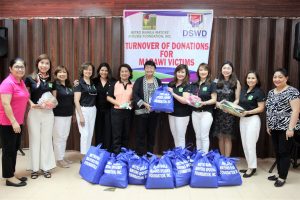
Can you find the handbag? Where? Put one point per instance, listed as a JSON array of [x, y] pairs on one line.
[[162, 100], [93, 164]]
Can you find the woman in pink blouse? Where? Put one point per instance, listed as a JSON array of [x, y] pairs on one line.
[[14, 97]]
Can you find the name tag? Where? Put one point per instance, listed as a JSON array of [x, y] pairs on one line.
[[50, 85], [180, 89], [204, 89], [250, 97]]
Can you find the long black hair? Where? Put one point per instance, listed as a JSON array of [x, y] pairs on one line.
[[232, 78]]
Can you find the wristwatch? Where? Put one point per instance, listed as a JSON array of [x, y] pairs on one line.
[[291, 129]]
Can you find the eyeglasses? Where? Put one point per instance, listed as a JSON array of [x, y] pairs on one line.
[[19, 67]]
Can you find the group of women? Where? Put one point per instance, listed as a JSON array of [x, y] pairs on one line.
[[104, 105]]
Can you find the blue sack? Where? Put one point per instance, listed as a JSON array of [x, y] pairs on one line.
[[162, 100], [182, 169], [204, 172], [115, 173], [160, 173], [228, 172], [138, 168], [93, 164]]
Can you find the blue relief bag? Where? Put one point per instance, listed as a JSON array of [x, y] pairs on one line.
[[115, 173], [228, 172], [160, 173], [138, 168], [162, 100], [182, 169], [93, 164], [204, 172]]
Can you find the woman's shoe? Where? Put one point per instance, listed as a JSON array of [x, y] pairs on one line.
[[47, 174], [8, 183], [243, 171], [246, 175], [23, 179], [279, 183], [34, 175], [62, 164], [272, 178]]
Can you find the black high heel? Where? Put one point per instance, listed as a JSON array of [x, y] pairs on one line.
[[251, 173]]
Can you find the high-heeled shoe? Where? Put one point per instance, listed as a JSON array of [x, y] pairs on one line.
[[246, 175]]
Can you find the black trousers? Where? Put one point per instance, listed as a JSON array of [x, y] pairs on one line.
[[11, 142], [103, 129], [145, 132], [120, 123], [282, 149]]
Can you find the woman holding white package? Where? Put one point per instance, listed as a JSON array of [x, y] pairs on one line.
[[85, 100], [62, 114], [202, 118], [40, 120], [227, 88], [252, 100], [179, 119]]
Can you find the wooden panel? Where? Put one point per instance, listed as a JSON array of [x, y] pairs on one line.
[[261, 44], [75, 8]]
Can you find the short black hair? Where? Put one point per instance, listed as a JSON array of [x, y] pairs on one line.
[[151, 63]]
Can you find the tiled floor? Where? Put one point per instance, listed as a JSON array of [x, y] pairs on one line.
[[67, 184]]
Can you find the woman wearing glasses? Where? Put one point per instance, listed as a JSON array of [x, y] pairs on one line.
[[14, 97], [85, 98]]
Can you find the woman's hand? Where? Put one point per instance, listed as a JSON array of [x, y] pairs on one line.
[[218, 105], [170, 90], [82, 121], [268, 131], [289, 133], [147, 106], [35, 106], [75, 82], [243, 114], [16, 127]]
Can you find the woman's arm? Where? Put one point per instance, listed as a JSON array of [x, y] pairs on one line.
[[6, 99], [112, 101], [212, 101], [295, 105], [237, 93], [181, 99], [260, 108], [77, 96]]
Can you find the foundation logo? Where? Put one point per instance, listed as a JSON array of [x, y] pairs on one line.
[[195, 19], [149, 22]]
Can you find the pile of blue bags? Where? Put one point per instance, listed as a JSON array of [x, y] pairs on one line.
[[176, 168]]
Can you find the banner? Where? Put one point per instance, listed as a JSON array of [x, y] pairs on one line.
[[169, 38]]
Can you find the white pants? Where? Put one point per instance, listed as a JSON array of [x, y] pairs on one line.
[[61, 130], [40, 126], [250, 128], [202, 122], [86, 131], [178, 126]]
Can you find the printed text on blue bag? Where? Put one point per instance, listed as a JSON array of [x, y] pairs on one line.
[[92, 160], [160, 171], [163, 98], [227, 168], [138, 172], [113, 168], [183, 167], [205, 169]]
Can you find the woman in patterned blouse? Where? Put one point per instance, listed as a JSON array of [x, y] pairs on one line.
[[282, 120]]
